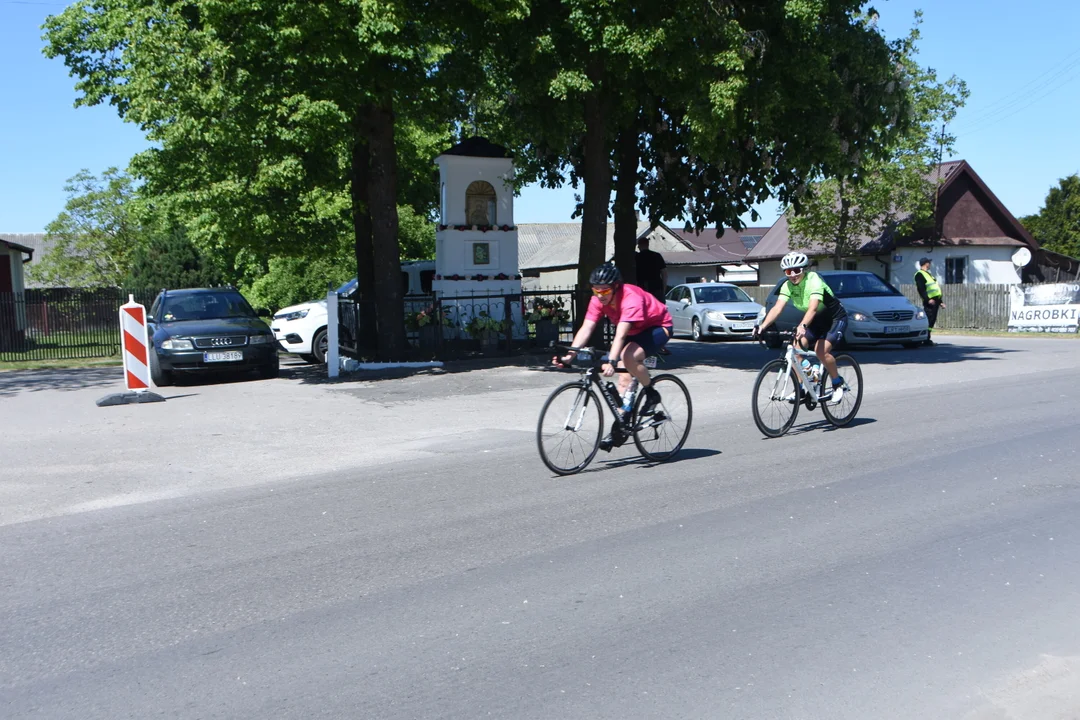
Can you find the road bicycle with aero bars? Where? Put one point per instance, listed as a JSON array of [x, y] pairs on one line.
[[572, 420], [784, 384]]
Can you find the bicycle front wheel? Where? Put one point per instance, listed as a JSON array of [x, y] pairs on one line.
[[568, 433], [843, 412], [777, 395], [660, 434]]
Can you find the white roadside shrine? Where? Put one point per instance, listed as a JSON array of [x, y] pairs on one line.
[[476, 241]]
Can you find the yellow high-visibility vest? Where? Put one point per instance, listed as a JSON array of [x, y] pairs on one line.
[[933, 290]]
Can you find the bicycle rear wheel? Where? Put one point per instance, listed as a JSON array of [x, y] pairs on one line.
[[843, 412], [661, 434], [777, 395], [568, 433]]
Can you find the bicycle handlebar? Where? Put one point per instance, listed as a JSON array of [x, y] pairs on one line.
[[594, 359]]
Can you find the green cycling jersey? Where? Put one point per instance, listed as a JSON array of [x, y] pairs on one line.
[[811, 286]]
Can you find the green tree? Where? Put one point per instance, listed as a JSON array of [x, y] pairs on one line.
[[893, 191], [1057, 224], [170, 260], [703, 109], [275, 121], [93, 238]]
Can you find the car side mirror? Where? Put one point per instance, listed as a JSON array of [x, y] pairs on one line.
[[685, 301], [149, 318]]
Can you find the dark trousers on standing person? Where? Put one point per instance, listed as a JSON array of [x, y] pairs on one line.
[[931, 317]]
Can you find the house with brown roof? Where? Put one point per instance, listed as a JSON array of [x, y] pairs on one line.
[[973, 239], [12, 307], [548, 253], [707, 257]]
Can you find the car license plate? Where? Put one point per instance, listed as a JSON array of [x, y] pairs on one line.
[[227, 356], [742, 325], [894, 329]]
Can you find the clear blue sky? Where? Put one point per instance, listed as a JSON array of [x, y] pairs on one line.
[[1020, 129]]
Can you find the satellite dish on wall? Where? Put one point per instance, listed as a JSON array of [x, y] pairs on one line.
[[1021, 257]]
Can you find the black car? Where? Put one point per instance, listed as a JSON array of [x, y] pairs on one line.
[[208, 330]]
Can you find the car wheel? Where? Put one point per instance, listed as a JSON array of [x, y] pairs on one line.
[[319, 346], [695, 330], [160, 377], [271, 369]]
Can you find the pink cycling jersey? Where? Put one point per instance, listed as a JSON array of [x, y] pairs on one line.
[[633, 305]]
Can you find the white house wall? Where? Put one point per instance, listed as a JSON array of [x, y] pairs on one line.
[[985, 263]]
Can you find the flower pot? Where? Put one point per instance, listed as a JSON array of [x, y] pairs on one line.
[[429, 336], [547, 332], [489, 341]]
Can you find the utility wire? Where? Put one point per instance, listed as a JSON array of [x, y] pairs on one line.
[[978, 126]]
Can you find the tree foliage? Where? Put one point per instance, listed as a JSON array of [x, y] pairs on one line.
[[701, 110], [1057, 224], [168, 259], [891, 191], [92, 240]]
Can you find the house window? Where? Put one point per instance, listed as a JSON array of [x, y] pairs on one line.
[[955, 270], [480, 203], [851, 264]]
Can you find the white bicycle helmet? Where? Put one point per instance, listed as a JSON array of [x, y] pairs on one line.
[[794, 260]]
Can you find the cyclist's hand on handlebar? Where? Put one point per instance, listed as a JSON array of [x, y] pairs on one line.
[[756, 333], [562, 362], [608, 369]]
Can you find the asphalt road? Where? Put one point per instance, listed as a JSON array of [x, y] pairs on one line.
[[430, 567]]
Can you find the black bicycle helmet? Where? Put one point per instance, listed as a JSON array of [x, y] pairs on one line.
[[606, 274]]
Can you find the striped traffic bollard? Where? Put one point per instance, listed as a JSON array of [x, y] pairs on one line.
[[135, 345], [135, 349]]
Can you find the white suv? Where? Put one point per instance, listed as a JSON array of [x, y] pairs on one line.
[[301, 329]]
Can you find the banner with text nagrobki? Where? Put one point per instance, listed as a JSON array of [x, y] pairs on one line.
[[1044, 308]]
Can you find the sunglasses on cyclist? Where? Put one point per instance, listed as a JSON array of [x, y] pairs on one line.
[[793, 272], [602, 292]]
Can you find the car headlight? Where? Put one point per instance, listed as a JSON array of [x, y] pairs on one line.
[[176, 344], [714, 315], [860, 317], [299, 314], [920, 315], [262, 339]]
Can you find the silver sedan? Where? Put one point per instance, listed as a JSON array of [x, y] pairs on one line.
[[705, 310]]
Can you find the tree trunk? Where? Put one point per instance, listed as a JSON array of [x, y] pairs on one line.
[[361, 210], [625, 202], [363, 244], [842, 226], [386, 258], [597, 177]]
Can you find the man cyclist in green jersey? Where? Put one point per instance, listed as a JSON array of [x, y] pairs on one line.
[[824, 318]]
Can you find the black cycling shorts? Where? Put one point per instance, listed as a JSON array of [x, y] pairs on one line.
[[829, 327]]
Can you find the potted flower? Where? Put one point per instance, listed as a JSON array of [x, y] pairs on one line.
[[548, 316], [486, 329], [428, 322]]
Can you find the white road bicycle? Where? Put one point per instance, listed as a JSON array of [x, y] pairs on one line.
[[783, 385]]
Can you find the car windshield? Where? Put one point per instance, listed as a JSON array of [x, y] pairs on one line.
[[347, 288], [858, 285], [209, 305], [720, 294]]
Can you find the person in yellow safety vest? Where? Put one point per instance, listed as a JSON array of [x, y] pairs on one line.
[[930, 292]]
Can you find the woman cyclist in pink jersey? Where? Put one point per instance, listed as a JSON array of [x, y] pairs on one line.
[[642, 326]]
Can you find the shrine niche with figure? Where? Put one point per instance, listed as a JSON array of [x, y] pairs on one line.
[[480, 204]]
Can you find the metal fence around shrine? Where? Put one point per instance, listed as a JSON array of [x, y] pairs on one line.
[[467, 325]]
